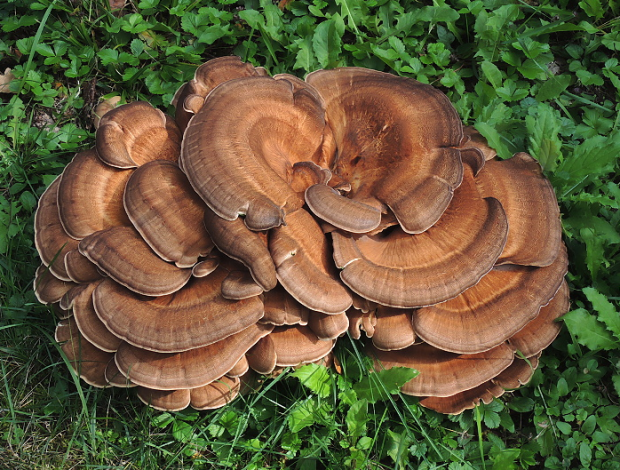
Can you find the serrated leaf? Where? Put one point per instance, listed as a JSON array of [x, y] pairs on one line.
[[607, 312], [491, 419], [398, 445], [589, 331], [316, 378], [494, 138], [595, 156], [304, 414], [543, 129], [379, 385]]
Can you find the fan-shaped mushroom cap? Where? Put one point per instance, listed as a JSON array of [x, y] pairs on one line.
[[341, 212], [206, 266], [88, 361], [262, 357], [532, 210], [90, 195], [518, 373], [239, 369], [400, 270], [48, 288], [540, 332], [240, 243], [115, 378], [193, 317], [298, 345], [393, 329], [190, 97], [136, 133], [188, 369], [168, 214], [208, 397], [493, 310], [164, 400], [89, 324], [442, 373], [396, 141], [466, 400], [50, 238], [240, 285], [328, 326], [123, 255], [272, 126], [79, 268], [282, 309], [216, 394], [304, 264]]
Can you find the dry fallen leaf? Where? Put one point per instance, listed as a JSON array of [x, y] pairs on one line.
[[5, 79]]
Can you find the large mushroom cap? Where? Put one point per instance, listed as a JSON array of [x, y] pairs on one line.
[[396, 141], [401, 270], [239, 150]]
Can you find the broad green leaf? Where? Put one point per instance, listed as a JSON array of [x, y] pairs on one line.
[[327, 42], [494, 138], [595, 156], [316, 378], [506, 459], [356, 418], [398, 446], [493, 74], [543, 128], [182, 431], [553, 87], [607, 312], [379, 385], [305, 59], [589, 331], [306, 413]]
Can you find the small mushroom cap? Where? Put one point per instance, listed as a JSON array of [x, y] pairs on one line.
[[400, 270], [240, 243], [360, 320], [273, 126], [532, 210], [124, 256], [262, 357], [115, 378], [190, 97], [165, 400], [493, 310], [396, 141], [540, 332], [298, 345], [328, 327], [48, 288], [188, 369], [50, 238], [239, 369], [88, 361], [79, 268], [304, 264], [393, 329], [90, 195], [89, 324], [282, 309], [240, 285], [341, 212], [216, 394], [193, 317], [466, 400], [136, 133], [168, 214], [518, 373], [206, 266], [442, 373]]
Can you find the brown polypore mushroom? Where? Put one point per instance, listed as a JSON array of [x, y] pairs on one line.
[[352, 200]]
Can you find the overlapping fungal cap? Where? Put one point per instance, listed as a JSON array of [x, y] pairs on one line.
[[273, 215]]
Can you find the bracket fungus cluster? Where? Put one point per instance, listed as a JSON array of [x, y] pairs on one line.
[[273, 215]]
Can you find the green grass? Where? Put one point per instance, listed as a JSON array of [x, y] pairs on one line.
[[542, 77]]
